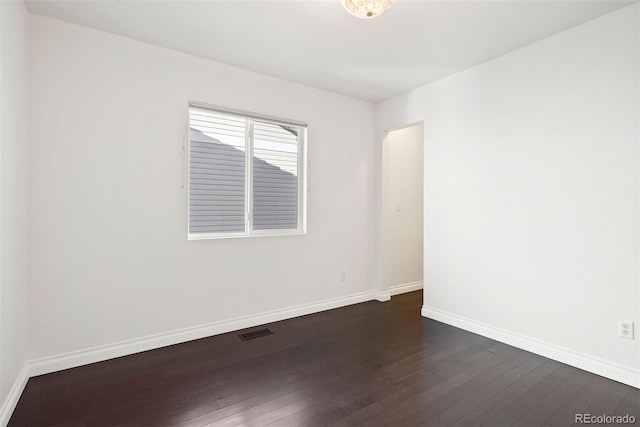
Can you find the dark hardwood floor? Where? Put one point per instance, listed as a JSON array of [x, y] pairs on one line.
[[372, 364]]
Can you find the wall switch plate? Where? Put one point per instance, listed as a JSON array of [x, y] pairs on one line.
[[625, 329], [343, 275]]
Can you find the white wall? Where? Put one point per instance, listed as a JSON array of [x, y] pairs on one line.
[[13, 194], [110, 260], [403, 201], [532, 192]]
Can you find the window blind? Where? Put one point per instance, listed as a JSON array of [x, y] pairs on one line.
[[275, 176], [217, 169]]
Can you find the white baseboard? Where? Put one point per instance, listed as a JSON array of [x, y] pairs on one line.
[[583, 361], [124, 348], [405, 287], [12, 398], [381, 296]]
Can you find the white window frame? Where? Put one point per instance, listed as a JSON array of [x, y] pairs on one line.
[[302, 174]]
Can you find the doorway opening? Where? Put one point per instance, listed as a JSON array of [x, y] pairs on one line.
[[403, 209]]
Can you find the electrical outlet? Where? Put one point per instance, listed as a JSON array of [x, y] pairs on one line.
[[625, 329], [343, 275]]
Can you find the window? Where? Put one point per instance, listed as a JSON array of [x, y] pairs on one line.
[[246, 174]]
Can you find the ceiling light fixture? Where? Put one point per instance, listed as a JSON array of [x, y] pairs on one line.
[[366, 9]]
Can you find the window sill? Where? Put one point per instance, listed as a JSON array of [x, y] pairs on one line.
[[265, 233]]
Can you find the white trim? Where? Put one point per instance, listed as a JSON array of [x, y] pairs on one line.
[[12, 398], [261, 233], [245, 114], [405, 287], [97, 354], [381, 296], [583, 361]]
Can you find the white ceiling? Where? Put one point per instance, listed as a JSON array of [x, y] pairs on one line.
[[318, 44]]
